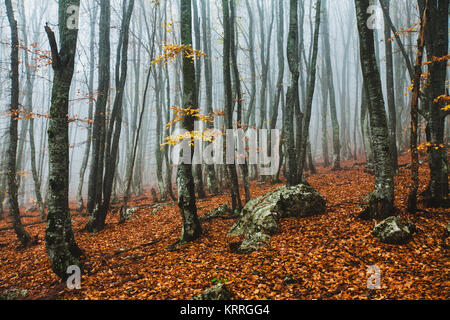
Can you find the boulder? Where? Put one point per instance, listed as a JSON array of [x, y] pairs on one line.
[[260, 216], [218, 292], [394, 230], [13, 294]]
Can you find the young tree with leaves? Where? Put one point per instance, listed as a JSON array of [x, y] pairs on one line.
[[191, 228]]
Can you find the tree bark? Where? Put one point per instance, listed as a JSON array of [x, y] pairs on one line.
[[336, 165], [390, 88], [14, 209], [292, 97], [231, 168], [381, 200], [412, 198], [60, 242], [191, 228], [436, 44]]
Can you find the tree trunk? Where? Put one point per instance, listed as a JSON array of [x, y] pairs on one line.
[[390, 89], [191, 228], [333, 114], [14, 209], [310, 91], [211, 177], [436, 44], [84, 163], [412, 199], [98, 130], [231, 168], [60, 242], [381, 201], [292, 98]]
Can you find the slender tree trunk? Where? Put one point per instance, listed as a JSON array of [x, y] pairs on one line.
[[390, 89], [381, 201], [310, 91], [84, 163], [231, 168], [334, 120], [280, 87], [191, 228], [98, 130], [325, 90], [14, 210], [238, 93], [206, 26], [115, 123], [412, 199], [292, 97]]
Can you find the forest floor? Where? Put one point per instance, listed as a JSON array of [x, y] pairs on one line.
[[326, 255]]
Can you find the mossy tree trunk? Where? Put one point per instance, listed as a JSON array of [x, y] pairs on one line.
[[436, 44], [390, 87], [292, 97], [381, 201], [191, 228], [60, 242]]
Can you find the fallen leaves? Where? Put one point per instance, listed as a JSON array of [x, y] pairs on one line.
[[326, 256]]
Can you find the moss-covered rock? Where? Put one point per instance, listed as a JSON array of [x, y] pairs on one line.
[[259, 218], [129, 213], [218, 292], [222, 211], [13, 294], [394, 230]]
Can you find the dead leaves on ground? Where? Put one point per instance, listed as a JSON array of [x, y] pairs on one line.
[[321, 257]]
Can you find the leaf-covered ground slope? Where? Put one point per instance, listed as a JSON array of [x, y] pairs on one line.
[[320, 257]]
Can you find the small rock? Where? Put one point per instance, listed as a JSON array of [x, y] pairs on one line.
[[218, 292], [129, 213], [156, 209], [289, 279], [13, 294], [394, 230]]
